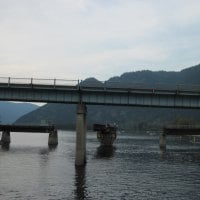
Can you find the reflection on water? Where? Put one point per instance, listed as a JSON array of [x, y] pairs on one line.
[[52, 147], [80, 183], [134, 168], [162, 153], [105, 151], [5, 147], [102, 152], [181, 156]]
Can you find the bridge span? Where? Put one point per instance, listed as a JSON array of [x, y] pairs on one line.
[[181, 130], [84, 93], [6, 129], [102, 93]]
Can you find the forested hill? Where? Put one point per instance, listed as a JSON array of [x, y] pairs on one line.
[[186, 76], [125, 117]]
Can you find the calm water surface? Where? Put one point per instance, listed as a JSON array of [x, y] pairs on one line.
[[133, 169]]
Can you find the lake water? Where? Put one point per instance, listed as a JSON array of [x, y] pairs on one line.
[[133, 169]]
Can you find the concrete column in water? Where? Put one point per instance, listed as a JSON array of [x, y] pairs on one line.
[[81, 127], [162, 141], [53, 138], [5, 137]]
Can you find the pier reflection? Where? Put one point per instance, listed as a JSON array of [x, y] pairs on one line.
[[5, 147], [105, 151], [162, 153], [52, 147], [80, 183]]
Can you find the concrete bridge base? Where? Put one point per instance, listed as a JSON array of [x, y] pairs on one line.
[[5, 138], [162, 141], [81, 127], [53, 138]]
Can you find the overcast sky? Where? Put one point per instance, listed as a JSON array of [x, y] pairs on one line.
[[76, 39]]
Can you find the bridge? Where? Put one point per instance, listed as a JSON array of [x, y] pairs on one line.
[[101, 93], [6, 129], [175, 130], [85, 93]]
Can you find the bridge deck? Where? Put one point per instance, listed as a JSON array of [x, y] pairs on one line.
[[27, 128], [182, 130]]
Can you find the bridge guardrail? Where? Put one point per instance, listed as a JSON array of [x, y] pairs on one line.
[[54, 82], [108, 85], [37, 81], [99, 85]]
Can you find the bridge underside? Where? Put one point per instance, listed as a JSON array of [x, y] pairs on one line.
[[182, 131], [27, 128]]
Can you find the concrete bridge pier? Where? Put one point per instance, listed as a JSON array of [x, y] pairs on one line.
[[53, 138], [162, 141], [5, 138], [81, 128]]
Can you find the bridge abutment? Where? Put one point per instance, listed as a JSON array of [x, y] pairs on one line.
[[81, 129], [53, 138], [5, 138]]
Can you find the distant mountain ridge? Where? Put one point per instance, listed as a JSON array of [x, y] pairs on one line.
[[146, 76], [64, 115], [10, 111]]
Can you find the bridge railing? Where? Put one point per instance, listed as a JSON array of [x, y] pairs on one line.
[[108, 85], [54, 82], [99, 85], [36, 81]]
